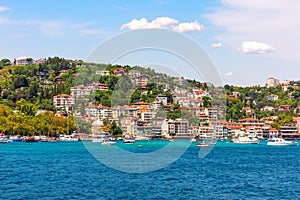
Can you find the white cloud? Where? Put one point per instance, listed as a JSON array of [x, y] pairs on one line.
[[215, 45], [3, 8], [188, 27], [274, 21], [228, 74], [256, 47], [162, 23], [159, 22]]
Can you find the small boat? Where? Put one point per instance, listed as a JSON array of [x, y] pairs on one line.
[[129, 141], [281, 142], [201, 144], [171, 140], [31, 139], [3, 138]]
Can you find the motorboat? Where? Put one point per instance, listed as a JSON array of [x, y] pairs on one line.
[[129, 141], [31, 139], [3, 138], [52, 139], [108, 142], [142, 138], [280, 142], [246, 140], [15, 139], [201, 144], [193, 140], [100, 137], [68, 138], [44, 138]]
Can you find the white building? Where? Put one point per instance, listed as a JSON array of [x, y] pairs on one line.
[[129, 126], [141, 80], [124, 111], [63, 102], [80, 91], [148, 116], [102, 72], [22, 61], [272, 82], [98, 112], [206, 132], [133, 73], [161, 99], [179, 127], [272, 97]]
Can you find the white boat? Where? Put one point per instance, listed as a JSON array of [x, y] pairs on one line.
[[107, 142], [3, 138], [44, 138], [101, 137], [202, 144], [193, 140], [15, 139], [246, 140], [129, 141], [68, 138], [142, 138], [280, 142]]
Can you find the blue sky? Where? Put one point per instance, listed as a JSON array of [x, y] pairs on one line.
[[249, 40]]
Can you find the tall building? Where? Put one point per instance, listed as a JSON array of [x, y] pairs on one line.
[[272, 82]]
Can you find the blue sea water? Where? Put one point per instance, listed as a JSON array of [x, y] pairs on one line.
[[66, 170]]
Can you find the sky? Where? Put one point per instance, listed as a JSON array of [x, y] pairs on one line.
[[249, 41]]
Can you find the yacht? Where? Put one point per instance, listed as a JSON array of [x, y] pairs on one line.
[[68, 138], [15, 139], [100, 137], [44, 138], [31, 139], [129, 141], [280, 142], [246, 140], [107, 142]]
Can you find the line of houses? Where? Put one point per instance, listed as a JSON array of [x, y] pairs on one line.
[[149, 119]]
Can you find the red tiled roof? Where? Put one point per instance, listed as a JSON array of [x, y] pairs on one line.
[[63, 95], [140, 103]]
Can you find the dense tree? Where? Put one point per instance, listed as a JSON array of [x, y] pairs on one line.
[[25, 107], [281, 120]]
